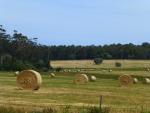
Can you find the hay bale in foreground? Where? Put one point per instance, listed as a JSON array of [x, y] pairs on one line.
[[146, 80], [92, 78], [29, 79], [125, 80], [135, 80], [16, 73], [81, 79]]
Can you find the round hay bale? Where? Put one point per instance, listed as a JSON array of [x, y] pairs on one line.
[[148, 69], [52, 75], [125, 80], [81, 79], [135, 80], [29, 79], [69, 70], [16, 73], [65, 70], [146, 80], [110, 70], [104, 70], [92, 78], [78, 70]]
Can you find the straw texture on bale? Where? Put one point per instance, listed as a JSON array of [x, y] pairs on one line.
[[81, 79], [135, 80], [92, 78], [146, 80], [125, 80], [29, 79]]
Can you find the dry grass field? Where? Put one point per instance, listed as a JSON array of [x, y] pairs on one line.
[[105, 64], [62, 91]]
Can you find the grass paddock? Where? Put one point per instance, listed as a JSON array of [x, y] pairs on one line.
[[61, 91]]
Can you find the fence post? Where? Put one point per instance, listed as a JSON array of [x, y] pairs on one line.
[[101, 102]]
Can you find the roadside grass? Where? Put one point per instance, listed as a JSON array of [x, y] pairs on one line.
[[70, 109]]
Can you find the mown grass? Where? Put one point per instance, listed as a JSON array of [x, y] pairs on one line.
[[62, 91]]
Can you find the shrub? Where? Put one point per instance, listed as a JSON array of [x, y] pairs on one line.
[[58, 69], [39, 64], [20, 65], [42, 65], [1, 67], [98, 61], [118, 64], [6, 61], [29, 65]]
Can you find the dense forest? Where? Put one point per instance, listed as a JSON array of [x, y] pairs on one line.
[[18, 52]]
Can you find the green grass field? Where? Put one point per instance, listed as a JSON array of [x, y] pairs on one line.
[[62, 91]]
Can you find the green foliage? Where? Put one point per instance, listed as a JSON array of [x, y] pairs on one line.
[[98, 61], [6, 61], [58, 69], [23, 48], [1, 66], [20, 65], [39, 64], [118, 64]]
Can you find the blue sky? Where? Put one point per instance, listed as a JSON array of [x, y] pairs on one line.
[[79, 22]]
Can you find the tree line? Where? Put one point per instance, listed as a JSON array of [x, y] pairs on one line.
[[18, 51]]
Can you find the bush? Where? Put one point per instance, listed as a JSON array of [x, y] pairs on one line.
[[59, 69], [20, 65], [6, 61], [98, 61], [40, 64], [1, 67], [118, 64]]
